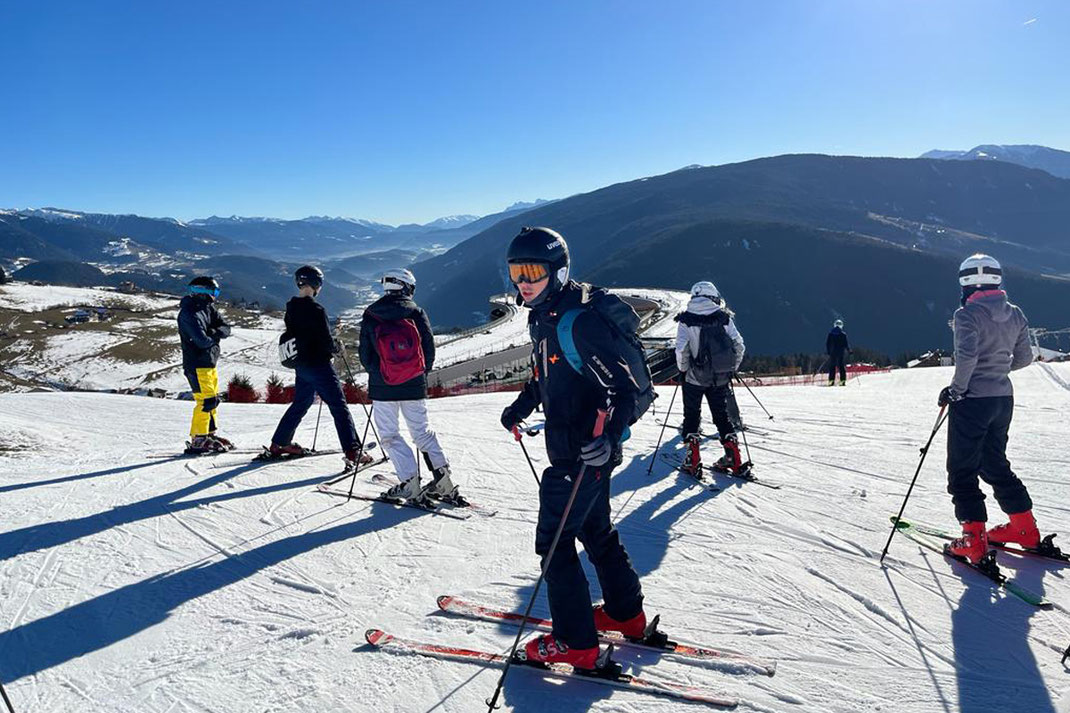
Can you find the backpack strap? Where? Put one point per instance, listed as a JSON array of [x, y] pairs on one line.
[[567, 342]]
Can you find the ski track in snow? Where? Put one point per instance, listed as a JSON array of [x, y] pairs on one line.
[[129, 583]]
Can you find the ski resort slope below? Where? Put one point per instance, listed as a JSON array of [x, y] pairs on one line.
[[135, 581]]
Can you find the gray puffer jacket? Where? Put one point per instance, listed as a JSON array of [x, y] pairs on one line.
[[991, 340]]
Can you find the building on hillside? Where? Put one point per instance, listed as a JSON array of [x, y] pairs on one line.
[[128, 287], [80, 316]]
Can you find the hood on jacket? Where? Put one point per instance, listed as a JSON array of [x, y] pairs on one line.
[[993, 302], [194, 303], [392, 307], [703, 305]]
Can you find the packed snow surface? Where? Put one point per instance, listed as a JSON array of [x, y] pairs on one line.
[[133, 581]]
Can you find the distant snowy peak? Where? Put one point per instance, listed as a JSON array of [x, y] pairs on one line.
[[218, 220], [452, 221], [341, 219], [52, 214], [1054, 161]]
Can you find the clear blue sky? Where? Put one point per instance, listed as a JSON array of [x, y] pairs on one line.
[[398, 111]]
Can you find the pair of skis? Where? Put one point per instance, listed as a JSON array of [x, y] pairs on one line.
[[609, 673], [745, 474], [454, 509], [927, 536]]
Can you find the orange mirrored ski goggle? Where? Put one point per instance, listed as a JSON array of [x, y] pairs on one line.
[[527, 272]]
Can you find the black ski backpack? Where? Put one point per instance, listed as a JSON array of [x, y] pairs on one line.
[[624, 323]]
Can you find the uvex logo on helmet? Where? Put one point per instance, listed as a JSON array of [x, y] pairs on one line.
[[554, 244]]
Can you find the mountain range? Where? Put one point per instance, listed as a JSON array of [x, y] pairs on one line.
[[796, 241], [793, 241], [1054, 161], [254, 255]]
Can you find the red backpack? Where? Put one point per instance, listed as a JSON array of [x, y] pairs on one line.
[[401, 355]]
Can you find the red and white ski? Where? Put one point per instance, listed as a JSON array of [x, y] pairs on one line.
[[453, 605], [381, 639]]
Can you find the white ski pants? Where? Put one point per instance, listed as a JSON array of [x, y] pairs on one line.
[[385, 415]]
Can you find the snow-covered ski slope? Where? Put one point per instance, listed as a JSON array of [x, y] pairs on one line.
[[136, 583]]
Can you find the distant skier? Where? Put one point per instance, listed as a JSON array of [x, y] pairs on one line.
[[567, 324], [991, 340], [200, 329], [397, 347], [308, 325], [709, 350], [837, 347]]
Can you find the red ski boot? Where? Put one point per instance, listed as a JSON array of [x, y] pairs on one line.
[[549, 649], [732, 460], [972, 546], [288, 451], [692, 458], [634, 628], [1021, 530]]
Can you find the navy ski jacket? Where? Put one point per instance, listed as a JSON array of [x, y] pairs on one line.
[[571, 400], [200, 327], [836, 342]]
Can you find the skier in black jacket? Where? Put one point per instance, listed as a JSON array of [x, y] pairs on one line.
[[837, 347], [397, 348], [200, 328], [307, 323], [576, 436]]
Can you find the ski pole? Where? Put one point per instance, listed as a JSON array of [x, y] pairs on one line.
[[360, 452], [742, 428], [664, 423], [749, 389], [924, 452], [11, 708], [520, 440], [367, 415], [316, 433], [492, 702]]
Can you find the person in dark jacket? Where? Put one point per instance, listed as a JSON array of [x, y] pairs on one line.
[[709, 350], [200, 328], [991, 340], [397, 348], [586, 416], [837, 347], [307, 323]]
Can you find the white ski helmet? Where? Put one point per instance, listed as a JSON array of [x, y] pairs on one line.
[[980, 269], [399, 279], [838, 323], [705, 288]]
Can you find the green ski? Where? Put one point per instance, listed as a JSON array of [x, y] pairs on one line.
[[988, 567]]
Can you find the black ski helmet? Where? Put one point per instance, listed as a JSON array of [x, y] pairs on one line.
[[546, 246], [309, 275], [204, 285]]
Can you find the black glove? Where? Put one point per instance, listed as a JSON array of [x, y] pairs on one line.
[[597, 453], [683, 376], [509, 419], [222, 331], [947, 396], [337, 347]]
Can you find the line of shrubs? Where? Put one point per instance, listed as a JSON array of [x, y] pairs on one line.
[[240, 390]]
